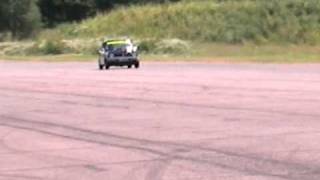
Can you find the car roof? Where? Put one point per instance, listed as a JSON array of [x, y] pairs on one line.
[[118, 41]]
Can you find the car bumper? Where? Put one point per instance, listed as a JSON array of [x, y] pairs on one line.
[[121, 60]]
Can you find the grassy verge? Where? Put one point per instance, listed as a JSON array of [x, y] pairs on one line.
[[208, 52], [260, 54], [50, 58], [263, 31]]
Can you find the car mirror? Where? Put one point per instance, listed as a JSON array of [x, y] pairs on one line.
[[135, 48]]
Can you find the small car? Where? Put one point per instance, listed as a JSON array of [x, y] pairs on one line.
[[118, 53]]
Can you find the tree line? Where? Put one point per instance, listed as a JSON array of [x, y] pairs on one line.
[[22, 18]]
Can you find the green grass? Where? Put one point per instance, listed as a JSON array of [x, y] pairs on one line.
[[263, 31], [263, 54], [50, 58], [229, 21], [209, 52]]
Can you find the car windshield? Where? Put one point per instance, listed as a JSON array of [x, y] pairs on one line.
[[117, 46]]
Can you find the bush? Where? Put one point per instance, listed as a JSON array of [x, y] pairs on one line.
[[165, 46], [230, 21], [21, 17], [147, 45], [5, 36], [48, 46], [83, 46], [172, 46], [15, 48]]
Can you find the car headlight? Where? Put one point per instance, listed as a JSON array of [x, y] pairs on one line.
[[101, 51]]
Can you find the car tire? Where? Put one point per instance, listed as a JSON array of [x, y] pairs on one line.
[[137, 65], [106, 64], [129, 66], [100, 66]]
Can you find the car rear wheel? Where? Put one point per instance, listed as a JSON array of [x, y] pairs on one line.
[[106, 64], [129, 66]]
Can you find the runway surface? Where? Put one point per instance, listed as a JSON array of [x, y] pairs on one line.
[[164, 121]]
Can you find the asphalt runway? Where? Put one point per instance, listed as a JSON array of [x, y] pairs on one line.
[[164, 121]]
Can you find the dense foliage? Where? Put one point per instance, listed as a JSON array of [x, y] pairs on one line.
[[228, 21], [57, 11], [22, 17], [231, 21]]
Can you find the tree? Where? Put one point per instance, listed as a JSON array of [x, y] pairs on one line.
[[108, 4], [20, 17], [57, 11]]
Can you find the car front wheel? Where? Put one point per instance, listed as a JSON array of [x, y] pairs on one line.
[[100, 66], [137, 65]]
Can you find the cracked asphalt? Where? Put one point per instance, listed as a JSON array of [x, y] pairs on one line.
[[164, 121]]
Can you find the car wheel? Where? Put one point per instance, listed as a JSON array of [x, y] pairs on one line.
[[137, 65], [100, 66], [107, 66], [129, 66]]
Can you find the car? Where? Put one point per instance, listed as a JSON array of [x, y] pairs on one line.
[[118, 52]]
